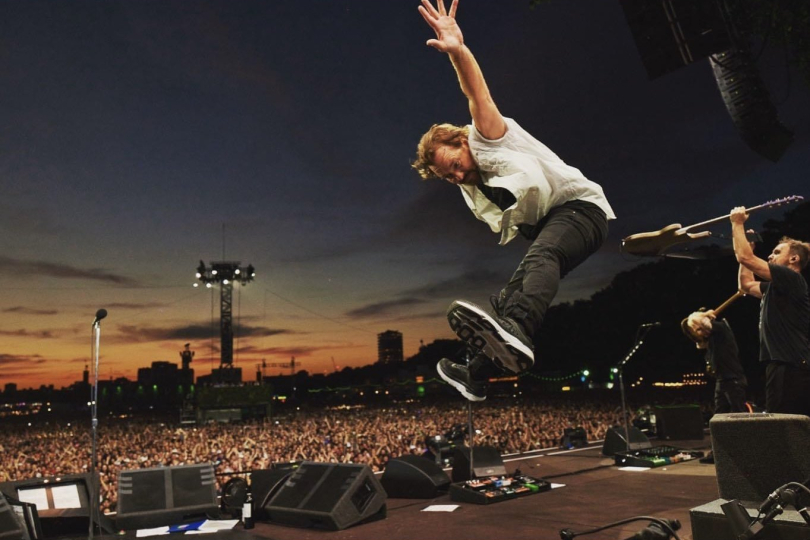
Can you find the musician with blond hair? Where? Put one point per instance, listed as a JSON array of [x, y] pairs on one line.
[[722, 359]]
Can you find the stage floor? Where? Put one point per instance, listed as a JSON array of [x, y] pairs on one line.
[[595, 493]]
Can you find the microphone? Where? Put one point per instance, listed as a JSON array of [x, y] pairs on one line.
[[773, 499], [650, 324], [100, 314]]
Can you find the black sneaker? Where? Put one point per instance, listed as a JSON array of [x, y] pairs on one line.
[[458, 376], [499, 338]]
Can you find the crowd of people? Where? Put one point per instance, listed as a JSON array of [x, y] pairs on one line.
[[344, 435]]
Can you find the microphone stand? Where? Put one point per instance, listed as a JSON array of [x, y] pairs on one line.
[[641, 333], [94, 481], [470, 432]]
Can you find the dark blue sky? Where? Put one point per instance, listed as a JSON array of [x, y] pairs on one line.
[[139, 137]]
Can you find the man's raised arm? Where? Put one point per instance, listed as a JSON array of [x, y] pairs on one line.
[[485, 114], [750, 264]]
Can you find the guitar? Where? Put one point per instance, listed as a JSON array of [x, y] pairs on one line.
[[655, 243], [700, 342]]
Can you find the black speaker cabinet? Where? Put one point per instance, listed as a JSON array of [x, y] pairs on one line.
[[700, 32], [414, 477], [328, 496], [679, 423], [574, 438], [756, 453], [10, 526], [65, 510], [264, 483], [166, 496], [616, 442], [487, 461]]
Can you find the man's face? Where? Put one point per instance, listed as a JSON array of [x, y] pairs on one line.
[[455, 164], [780, 255]]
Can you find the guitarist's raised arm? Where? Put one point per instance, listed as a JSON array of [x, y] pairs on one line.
[[750, 264], [747, 283]]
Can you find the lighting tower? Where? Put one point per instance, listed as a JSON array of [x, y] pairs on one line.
[[225, 273]]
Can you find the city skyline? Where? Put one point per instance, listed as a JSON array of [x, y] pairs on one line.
[[141, 137]]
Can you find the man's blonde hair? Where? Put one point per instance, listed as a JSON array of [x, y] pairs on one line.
[[687, 330], [798, 248], [438, 135]]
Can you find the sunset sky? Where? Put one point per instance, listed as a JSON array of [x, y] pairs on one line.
[[138, 137]]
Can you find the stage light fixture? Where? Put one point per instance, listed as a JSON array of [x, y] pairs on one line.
[[225, 273]]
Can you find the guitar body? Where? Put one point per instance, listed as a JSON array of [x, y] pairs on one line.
[[653, 243]]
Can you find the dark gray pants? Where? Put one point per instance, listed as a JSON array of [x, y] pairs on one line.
[[567, 236], [787, 389], [729, 396]]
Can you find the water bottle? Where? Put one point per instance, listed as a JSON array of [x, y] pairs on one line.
[[247, 512]]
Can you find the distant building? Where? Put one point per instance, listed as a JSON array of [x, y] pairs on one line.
[[220, 376], [165, 374], [186, 355], [389, 347]]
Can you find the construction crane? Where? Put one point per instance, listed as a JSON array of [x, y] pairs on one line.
[[291, 365], [335, 366]]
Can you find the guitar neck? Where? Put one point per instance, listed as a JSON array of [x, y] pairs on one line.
[[721, 218], [727, 303], [777, 202]]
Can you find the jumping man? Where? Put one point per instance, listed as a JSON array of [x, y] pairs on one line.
[[516, 185]]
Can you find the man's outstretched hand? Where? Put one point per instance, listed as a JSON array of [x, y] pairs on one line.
[[448, 34]]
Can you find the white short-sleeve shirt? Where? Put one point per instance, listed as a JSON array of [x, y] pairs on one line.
[[535, 175]]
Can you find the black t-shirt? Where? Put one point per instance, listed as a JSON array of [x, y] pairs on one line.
[[784, 318], [722, 354]]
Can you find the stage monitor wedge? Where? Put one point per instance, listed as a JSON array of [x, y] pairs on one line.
[[62, 503], [10, 526], [414, 477], [616, 441], [330, 496], [166, 496], [679, 422], [487, 461], [264, 483]]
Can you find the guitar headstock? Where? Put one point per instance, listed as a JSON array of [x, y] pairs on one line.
[[784, 200]]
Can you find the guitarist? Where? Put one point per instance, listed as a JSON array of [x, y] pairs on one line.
[[784, 318], [722, 359]]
